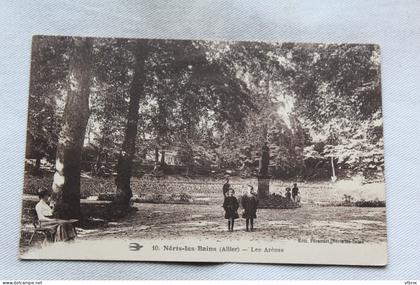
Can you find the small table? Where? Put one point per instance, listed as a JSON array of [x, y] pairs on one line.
[[58, 222]]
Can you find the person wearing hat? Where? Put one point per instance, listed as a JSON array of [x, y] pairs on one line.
[[288, 194]]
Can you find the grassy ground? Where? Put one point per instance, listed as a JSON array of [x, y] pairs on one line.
[[315, 219]]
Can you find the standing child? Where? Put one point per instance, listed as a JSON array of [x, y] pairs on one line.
[[250, 202], [231, 206]]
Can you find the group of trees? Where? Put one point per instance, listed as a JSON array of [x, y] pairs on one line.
[[216, 102]]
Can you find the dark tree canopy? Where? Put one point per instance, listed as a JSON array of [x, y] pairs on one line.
[[215, 103]]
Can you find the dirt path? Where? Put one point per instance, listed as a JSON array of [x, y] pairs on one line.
[[172, 221]]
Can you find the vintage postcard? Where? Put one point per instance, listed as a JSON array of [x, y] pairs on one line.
[[204, 151]]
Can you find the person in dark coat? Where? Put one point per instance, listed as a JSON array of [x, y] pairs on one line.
[[295, 191], [226, 187], [250, 202], [231, 206]]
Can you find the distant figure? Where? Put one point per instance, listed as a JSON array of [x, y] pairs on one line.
[[231, 206], [295, 191], [61, 231], [226, 187], [288, 194], [249, 202]]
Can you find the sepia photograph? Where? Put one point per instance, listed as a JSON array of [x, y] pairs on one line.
[[204, 151]]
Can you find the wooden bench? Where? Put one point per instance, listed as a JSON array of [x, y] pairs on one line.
[[47, 231], [47, 228]]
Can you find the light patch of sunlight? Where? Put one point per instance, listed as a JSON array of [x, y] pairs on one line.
[[284, 109], [58, 182], [59, 166], [359, 190], [74, 84]]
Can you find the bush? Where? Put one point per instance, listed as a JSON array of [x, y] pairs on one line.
[[348, 201], [157, 198], [185, 197], [277, 201], [374, 203]]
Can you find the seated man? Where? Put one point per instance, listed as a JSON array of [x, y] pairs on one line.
[[64, 230]]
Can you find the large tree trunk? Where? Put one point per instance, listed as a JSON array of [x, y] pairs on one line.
[[98, 162], [162, 159], [220, 154], [66, 184], [125, 160], [156, 157], [38, 163], [263, 177]]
